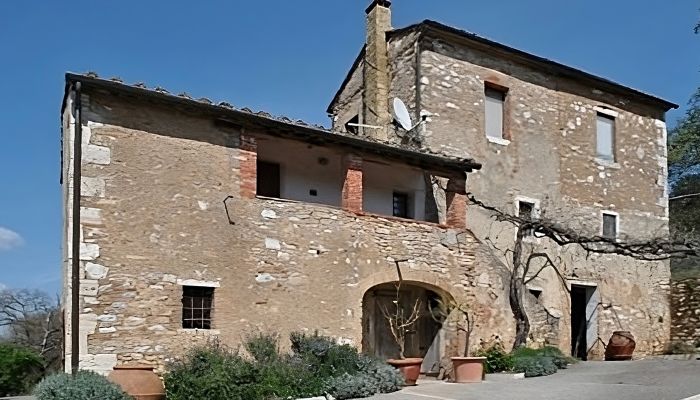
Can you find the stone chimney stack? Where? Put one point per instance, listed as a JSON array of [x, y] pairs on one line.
[[375, 101]]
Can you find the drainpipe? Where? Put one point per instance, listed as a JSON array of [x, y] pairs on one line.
[[75, 254]]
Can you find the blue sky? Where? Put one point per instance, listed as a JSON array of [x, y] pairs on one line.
[[284, 56]]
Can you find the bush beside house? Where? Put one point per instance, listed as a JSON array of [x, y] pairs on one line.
[[531, 362], [20, 369], [316, 366], [85, 385]]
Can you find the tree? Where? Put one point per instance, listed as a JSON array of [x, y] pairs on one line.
[[684, 169], [401, 320], [20, 369], [528, 261], [31, 319], [684, 142]]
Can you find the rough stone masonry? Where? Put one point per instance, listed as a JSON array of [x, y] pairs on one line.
[[168, 201], [546, 157]]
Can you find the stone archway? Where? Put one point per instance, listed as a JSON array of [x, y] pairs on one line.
[[428, 337]]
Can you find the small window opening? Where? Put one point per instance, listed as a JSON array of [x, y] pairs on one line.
[[351, 125], [400, 205], [526, 211], [197, 305], [605, 137], [268, 179], [610, 226], [313, 192], [495, 103]]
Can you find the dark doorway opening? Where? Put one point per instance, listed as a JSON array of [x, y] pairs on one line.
[[423, 341], [581, 319]]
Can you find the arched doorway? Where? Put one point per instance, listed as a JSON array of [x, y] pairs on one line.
[[425, 340]]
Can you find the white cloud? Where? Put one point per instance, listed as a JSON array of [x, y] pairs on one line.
[[9, 239]]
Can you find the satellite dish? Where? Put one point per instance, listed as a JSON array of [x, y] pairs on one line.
[[401, 114]]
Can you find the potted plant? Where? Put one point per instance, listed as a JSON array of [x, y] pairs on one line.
[[466, 369], [400, 324]]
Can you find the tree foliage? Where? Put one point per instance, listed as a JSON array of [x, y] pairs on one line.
[[20, 369], [684, 142], [31, 319]]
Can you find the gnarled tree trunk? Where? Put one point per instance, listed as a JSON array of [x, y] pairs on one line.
[[517, 285]]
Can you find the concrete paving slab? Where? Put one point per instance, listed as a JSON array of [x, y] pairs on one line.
[[635, 380]]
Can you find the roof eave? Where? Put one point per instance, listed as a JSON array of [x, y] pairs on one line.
[[278, 127], [429, 26], [347, 79]]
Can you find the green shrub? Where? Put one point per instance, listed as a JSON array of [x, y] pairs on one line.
[[263, 347], [317, 366], [558, 358], [372, 377], [85, 385], [677, 347], [561, 360], [20, 369], [212, 372], [534, 366], [497, 359]]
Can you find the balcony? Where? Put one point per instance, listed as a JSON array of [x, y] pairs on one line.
[[360, 183]]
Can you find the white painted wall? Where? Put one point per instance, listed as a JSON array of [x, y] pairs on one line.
[[380, 180], [301, 171]]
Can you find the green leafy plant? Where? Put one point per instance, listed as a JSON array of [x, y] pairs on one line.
[[263, 347], [497, 358], [534, 366], [539, 362], [20, 369], [85, 385], [677, 347], [316, 366]]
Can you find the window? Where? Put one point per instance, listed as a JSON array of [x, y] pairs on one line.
[[526, 211], [609, 226], [268, 179], [495, 101], [605, 137], [197, 307], [400, 205], [351, 126]]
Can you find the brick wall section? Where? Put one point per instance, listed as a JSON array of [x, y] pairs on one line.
[[456, 199], [248, 159], [685, 308], [352, 186]]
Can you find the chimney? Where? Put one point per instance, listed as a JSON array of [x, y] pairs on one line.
[[375, 101]]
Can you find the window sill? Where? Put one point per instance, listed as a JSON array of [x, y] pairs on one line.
[[498, 141], [607, 163], [204, 332]]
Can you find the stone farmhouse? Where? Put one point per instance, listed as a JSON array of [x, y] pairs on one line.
[[197, 220]]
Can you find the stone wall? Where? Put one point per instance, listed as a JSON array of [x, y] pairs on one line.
[[685, 311], [154, 220], [548, 157]]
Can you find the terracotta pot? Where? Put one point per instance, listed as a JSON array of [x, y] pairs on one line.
[[468, 369], [409, 367], [138, 381], [620, 347]]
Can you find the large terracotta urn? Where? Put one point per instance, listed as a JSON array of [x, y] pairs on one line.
[[138, 381], [409, 367], [468, 369], [620, 347]]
